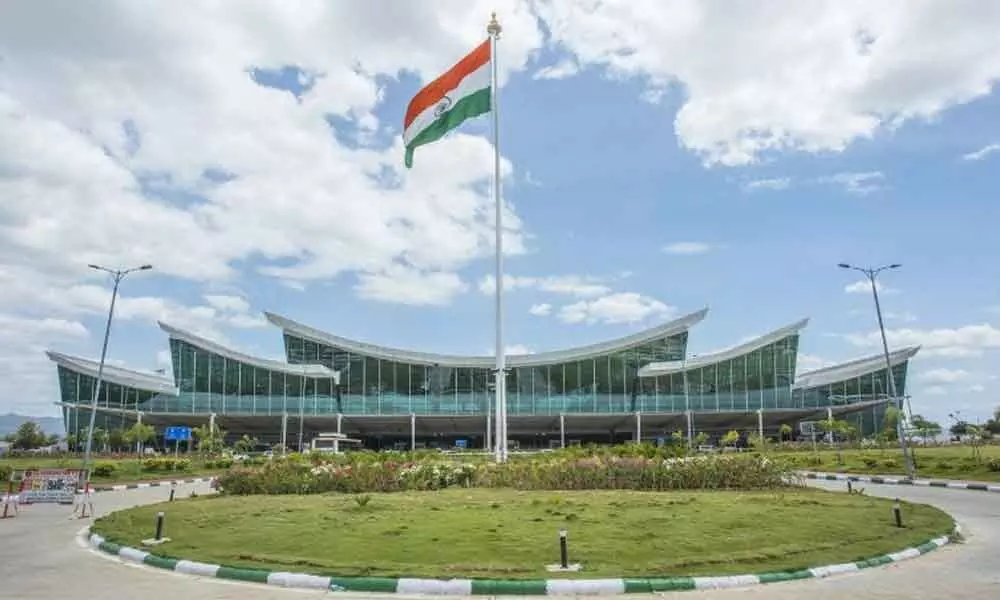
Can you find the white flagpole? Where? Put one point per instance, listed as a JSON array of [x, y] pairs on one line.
[[500, 381]]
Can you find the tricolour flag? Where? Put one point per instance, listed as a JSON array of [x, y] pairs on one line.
[[461, 93]]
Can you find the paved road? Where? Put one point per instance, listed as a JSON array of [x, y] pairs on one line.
[[40, 558]]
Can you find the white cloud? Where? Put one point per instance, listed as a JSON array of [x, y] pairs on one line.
[[905, 317], [843, 71], [936, 390], [541, 310], [860, 184], [941, 375], [809, 362], [575, 285], [403, 285], [960, 342], [976, 388], [228, 303], [776, 183], [561, 70], [864, 286], [617, 308], [982, 152], [517, 349], [27, 378], [687, 248]]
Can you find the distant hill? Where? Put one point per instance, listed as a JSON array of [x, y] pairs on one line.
[[10, 422]]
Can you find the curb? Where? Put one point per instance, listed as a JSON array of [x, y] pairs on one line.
[[496, 587], [938, 483], [146, 484]]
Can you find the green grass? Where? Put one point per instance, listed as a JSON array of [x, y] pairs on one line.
[[512, 534], [939, 462], [126, 470]]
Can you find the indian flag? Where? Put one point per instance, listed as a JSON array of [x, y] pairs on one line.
[[461, 93]]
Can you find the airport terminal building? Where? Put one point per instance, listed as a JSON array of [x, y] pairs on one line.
[[643, 386]]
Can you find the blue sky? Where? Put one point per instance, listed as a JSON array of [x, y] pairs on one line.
[[610, 166]]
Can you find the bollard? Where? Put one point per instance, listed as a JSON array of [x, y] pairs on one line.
[[159, 526], [849, 490], [173, 486], [897, 513], [563, 553]]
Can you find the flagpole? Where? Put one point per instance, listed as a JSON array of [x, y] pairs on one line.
[[500, 381]]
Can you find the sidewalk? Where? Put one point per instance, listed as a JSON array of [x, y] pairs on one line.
[[956, 484]]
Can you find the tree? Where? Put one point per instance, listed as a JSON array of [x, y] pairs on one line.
[[139, 435], [116, 439], [959, 429], [889, 423], [993, 425], [786, 432], [28, 436], [731, 437], [100, 439], [209, 438], [925, 428], [245, 444]]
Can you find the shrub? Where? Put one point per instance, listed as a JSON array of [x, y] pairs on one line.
[[869, 462], [219, 463], [890, 463], [560, 472], [104, 469], [166, 464], [993, 464], [6, 472]]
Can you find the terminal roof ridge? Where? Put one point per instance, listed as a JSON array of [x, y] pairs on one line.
[[673, 327], [150, 382]]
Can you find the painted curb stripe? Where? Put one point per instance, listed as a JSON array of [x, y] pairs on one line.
[[442, 587], [498, 587], [720, 583], [951, 485], [121, 487], [584, 587], [298, 580]]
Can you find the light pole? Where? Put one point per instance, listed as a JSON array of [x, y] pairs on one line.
[[687, 400], [116, 276], [871, 274]]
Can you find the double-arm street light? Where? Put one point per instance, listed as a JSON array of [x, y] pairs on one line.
[[116, 275], [871, 273]]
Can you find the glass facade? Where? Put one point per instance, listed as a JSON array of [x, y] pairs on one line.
[[211, 379], [376, 386], [761, 378]]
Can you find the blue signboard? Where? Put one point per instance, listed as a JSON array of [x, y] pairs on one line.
[[177, 434], [461, 443]]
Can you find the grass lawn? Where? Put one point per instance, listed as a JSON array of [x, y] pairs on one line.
[[513, 534], [126, 470], [937, 462]]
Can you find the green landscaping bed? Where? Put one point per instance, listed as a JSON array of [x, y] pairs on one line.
[[116, 470], [499, 533]]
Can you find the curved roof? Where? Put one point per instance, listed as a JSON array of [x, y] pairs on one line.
[[705, 360], [148, 382], [852, 368], [295, 329], [263, 363]]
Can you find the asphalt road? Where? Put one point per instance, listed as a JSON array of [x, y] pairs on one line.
[[42, 559]]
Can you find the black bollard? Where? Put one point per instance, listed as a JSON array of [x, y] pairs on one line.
[[563, 553], [159, 526], [898, 514], [173, 486], [849, 490]]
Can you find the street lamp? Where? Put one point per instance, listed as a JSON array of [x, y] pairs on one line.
[[116, 276], [871, 274], [687, 400]]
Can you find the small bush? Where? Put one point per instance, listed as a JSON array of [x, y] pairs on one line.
[[942, 465], [166, 464], [104, 469], [219, 463], [890, 463], [993, 464], [869, 462], [6, 472]]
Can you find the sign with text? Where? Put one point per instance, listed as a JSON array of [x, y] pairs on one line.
[[177, 434], [50, 485]]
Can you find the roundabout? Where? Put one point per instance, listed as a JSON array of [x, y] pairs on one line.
[[486, 541], [40, 546]]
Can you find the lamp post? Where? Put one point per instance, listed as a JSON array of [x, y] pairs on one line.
[[116, 276], [687, 400], [871, 273]]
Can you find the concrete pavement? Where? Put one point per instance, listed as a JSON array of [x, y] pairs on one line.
[[42, 558]]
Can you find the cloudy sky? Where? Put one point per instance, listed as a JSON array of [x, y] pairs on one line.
[[659, 156]]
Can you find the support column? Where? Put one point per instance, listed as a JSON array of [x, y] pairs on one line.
[[211, 422], [829, 419], [562, 430], [138, 444], [413, 431], [340, 423], [690, 428], [284, 432], [760, 424], [489, 425], [638, 427]]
